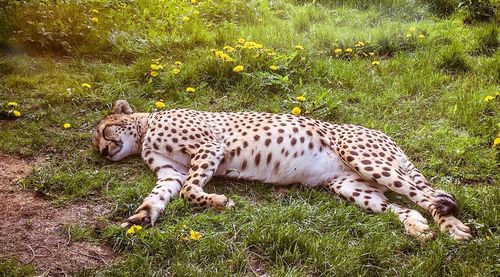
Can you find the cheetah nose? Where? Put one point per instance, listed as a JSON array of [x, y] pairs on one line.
[[105, 151]]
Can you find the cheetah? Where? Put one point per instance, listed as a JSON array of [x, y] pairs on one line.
[[186, 148]]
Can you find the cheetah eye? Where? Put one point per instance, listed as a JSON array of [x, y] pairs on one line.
[[108, 133]]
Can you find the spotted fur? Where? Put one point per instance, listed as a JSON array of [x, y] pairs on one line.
[[186, 148]]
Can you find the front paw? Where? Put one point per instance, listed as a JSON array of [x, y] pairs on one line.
[[145, 215]]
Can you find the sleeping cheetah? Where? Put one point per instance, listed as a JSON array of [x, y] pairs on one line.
[[186, 148]]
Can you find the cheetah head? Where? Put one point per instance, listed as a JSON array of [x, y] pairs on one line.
[[116, 136]]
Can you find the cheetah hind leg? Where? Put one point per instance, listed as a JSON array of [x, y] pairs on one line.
[[355, 189]]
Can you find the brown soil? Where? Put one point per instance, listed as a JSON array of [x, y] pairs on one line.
[[33, 232]]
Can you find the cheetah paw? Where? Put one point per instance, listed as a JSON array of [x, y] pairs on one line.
[[221, 202], [418, 228], [456, 228], [146, 214]]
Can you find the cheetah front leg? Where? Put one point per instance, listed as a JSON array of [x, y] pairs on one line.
[[204, 162], [356, 189], [170, 176]]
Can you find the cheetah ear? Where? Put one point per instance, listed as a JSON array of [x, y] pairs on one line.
[[121, 106]]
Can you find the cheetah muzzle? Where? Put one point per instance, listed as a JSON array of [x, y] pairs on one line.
[[186, 148]]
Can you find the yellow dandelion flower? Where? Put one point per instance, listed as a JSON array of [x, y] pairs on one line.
[[421, 36], [160, 105], [95, 11], [241, 40], [496, 142], [300, 98], [238, 68], [195, 235], [413, 29], [193, 1], [300, 47], [375, 63], [85, 85], [408, 35], [134, 229], [371, 53], [155, 67], [258, 46], [186, 18], [273, 67], [349, 50], [176, 71], [66, 125], [12, 104], [229, 48], [218, 53], [190, 89], [154, 73], [16, 113], [296, 111], [338, 51], [488, 98], [94, 19], [227, 58]]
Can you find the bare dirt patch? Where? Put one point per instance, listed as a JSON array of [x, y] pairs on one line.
[[32, 231]]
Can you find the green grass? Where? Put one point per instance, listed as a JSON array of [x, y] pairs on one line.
[[427, 93]]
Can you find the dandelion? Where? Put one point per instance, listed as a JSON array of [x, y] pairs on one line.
[[229, 48], [338, 51], [190, 89], [134, 229], [176, 71], [241, 40], [258, 46], [488, 98], [160, 105], [85, 85], [219, 53], [16, 113], [193, 1], [375, 63], [300, 98], [421, 36], [408, 35], [154, 73], [296, 111], [194, 235], [413, 29], [12, 104], [300, 47], [273, 67], [349, 50], [178, 63], [238, 68], [496, 142], [95, 11], [371, 54], [66, 125], [227, 58], [186, 18], [155, 67], [94, 19]]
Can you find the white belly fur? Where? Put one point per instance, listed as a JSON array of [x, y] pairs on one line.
[[311, 169]]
